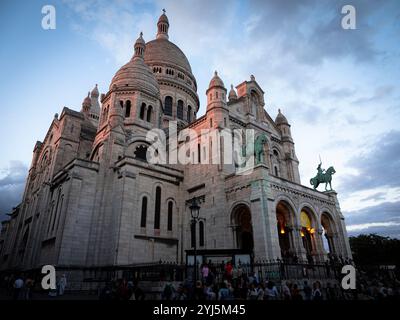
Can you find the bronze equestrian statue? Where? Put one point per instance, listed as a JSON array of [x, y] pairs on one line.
[[323, 177]]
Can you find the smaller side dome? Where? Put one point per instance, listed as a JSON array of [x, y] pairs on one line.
[[87, 102], [280, 118], [136, 74], [216, 81], [232, 94], [95, 92]]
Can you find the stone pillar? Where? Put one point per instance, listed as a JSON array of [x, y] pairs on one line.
[[343, 240], [266, 240], [299, 249], [319, 246]]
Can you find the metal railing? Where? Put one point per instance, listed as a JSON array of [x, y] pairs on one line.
[[261, 271]]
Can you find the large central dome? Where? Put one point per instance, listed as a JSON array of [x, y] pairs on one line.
[[161, 51]]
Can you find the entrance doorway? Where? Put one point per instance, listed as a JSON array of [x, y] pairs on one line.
[[243, 227]]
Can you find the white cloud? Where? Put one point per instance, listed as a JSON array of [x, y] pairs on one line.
[[365, 226]]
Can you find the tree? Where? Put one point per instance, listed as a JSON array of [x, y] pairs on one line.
[[372, 249]]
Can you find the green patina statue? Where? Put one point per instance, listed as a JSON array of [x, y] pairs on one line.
[[323, 176], [259, 148]]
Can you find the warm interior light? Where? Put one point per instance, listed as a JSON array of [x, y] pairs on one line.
[[312, 230], [302, 233], [282, 231]]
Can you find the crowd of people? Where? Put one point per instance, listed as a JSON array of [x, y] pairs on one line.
[[238, 285], [23, 287], [227, 282]]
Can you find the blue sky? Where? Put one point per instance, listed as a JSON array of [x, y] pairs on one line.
[[338, 88]]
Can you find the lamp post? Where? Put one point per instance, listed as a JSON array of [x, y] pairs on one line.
[[194, 212]]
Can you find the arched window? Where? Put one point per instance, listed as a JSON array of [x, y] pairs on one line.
[[189, 114], [149, 110], [201, 233], [276, 171], [198, 153], [179, 111], [142, 111], [157, 209], [128, 109], [168, 106], [170, 211], [141, 153], [144, 213]]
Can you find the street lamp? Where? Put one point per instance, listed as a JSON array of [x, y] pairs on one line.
[[195, 212]]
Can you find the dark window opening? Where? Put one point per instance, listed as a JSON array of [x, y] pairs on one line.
[[170, 210], [157, 209], [141, 153], [144, 213], [168, 106], [179, 112], [128, 109]]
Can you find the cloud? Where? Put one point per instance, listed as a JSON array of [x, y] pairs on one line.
[[383, 219], [12, 186], [337, 93], [379, 166], [380, 93]]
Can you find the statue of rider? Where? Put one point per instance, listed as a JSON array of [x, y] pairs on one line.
[[320, 171]]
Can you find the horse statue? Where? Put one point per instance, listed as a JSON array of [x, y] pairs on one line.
[[323, 177], [259, 148]]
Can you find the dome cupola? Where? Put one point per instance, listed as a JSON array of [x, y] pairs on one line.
[[232, 94], [280, 118], [136, 74], [162, 26]]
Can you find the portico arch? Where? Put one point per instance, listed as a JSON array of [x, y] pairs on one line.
[[329, 232], [242, 227], [285, 224], [308, 227]]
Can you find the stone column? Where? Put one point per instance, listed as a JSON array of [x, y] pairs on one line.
[[266, 241], [343, 240], [319, 246], [299, 249]]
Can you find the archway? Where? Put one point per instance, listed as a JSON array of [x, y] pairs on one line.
[[329, 232], [284, 217], [307, 233], [243, 226]]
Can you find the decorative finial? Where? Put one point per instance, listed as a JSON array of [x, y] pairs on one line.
[[164, 11], [232, 86], [215, 73], [279, 110], [88, 94], [141, 34], [252, 78]]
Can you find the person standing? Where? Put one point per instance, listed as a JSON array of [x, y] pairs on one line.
[[270, 292], [307, 291], [18, 286], [62, 284], [204, 272], [316, 292]]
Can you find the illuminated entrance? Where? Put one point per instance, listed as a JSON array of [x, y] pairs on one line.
[[284, 217], [307, 232]]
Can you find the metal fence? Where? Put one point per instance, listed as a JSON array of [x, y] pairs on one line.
[[262, 271]]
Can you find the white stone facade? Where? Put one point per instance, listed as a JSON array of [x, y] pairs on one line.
[[91, 201]]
